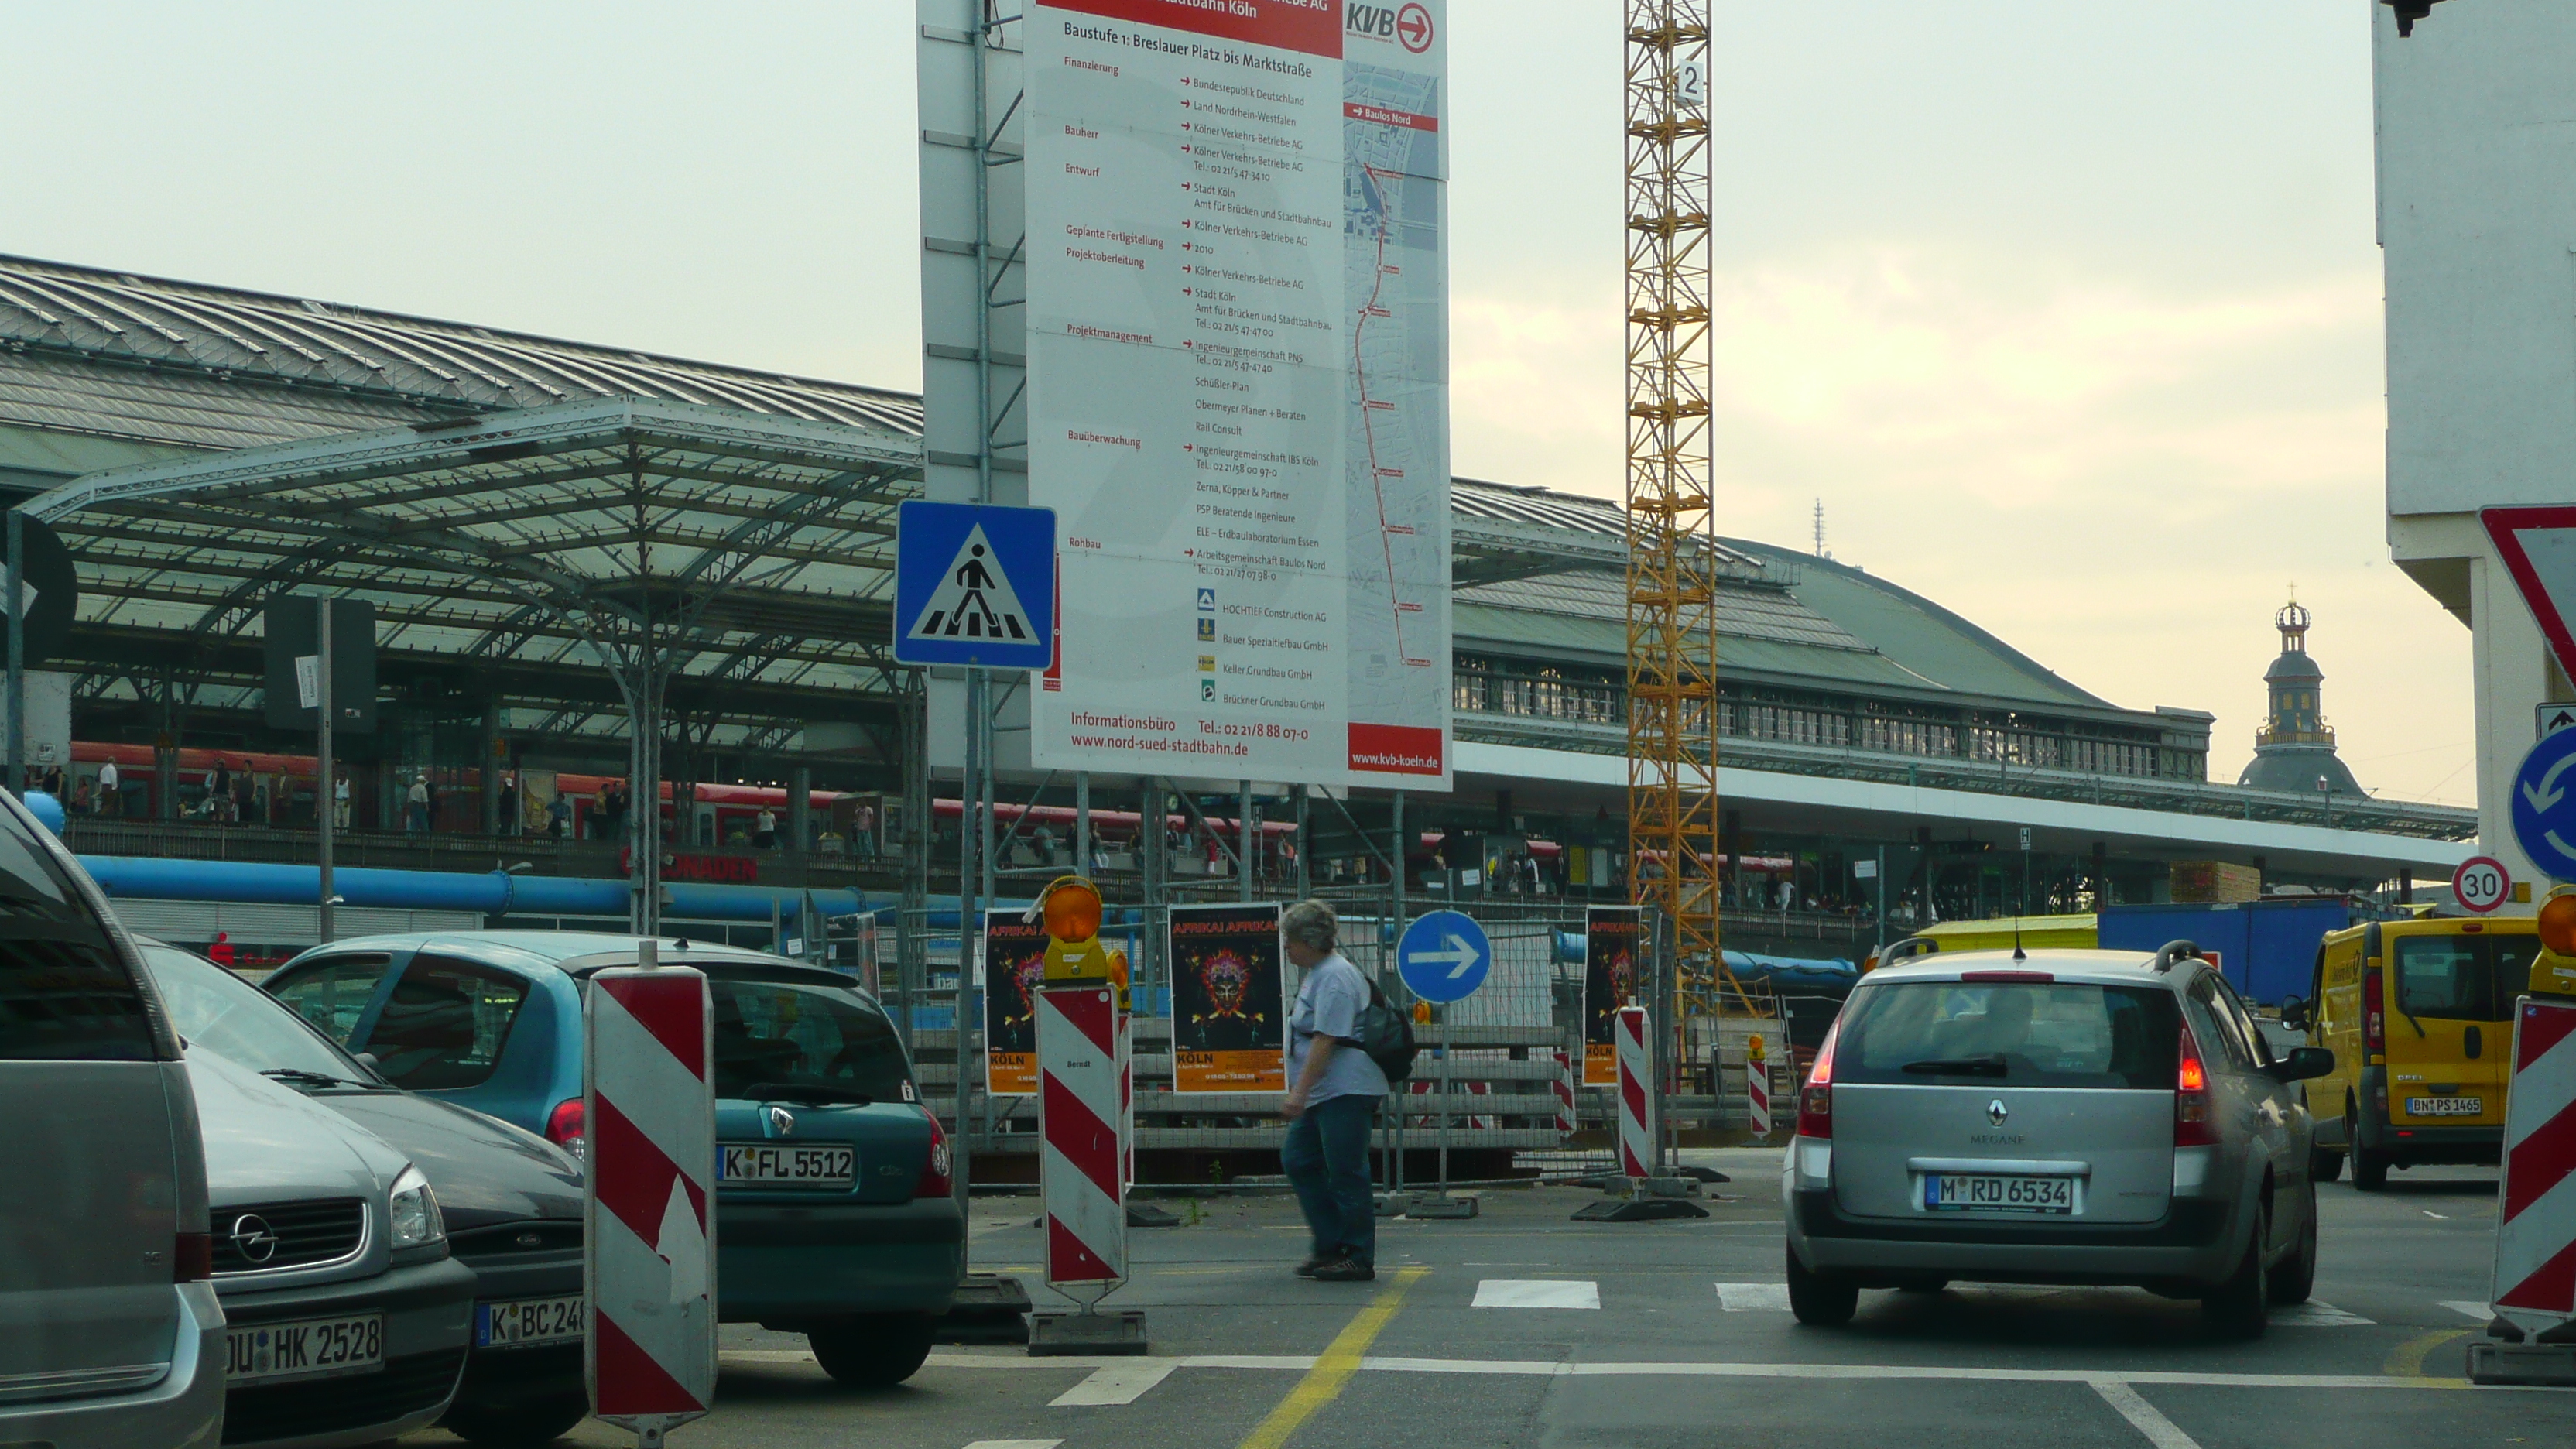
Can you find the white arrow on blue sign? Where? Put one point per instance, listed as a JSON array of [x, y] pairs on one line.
[[1444, 956], [2544, 806]]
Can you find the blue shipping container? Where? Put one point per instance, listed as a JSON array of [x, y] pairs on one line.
[[2266, 949]]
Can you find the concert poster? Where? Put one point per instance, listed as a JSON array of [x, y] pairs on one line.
[[1610, 948], [1229, 999], [1014, 969]]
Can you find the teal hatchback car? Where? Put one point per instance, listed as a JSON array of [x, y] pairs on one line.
[[835, 1214]]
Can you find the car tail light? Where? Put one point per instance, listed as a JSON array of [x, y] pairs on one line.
[[566, 1127], [1816, 1099], [2192, 1127], [2374, 1012], [193, 1259], [935, 1181]]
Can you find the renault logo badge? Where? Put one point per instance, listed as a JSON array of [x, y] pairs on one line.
[[782, 1123], [1996, 1111], [253, 1239]]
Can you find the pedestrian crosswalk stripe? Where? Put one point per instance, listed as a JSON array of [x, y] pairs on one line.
[[1753, 1297], [1538, 1293], [974, 599], [1117, 1383]]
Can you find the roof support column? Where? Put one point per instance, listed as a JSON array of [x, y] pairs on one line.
[[495, 761]]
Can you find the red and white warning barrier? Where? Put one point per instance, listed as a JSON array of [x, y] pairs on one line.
[[1082, 1164], [649, 1270], [1757, 1096], [1564, 1096], [1636, 1129], [2535, 1263]]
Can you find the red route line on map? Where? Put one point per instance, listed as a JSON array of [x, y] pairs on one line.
[[1368, 426]]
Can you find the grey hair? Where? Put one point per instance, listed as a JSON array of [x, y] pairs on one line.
[[1311, 924]]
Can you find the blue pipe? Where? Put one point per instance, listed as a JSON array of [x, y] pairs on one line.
[[488, 893]]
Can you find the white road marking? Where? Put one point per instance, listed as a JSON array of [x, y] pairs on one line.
[[2428, 1212], [2160, 1431], [1015, 1444], [1657, 1368], [2482, 1312], [2315, 1314], [1753, 1297], [1537, 1293], [1118, 1383]]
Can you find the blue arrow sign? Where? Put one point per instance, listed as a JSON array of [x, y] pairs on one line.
[[2544, 805], [1444, 956], [974, 583]]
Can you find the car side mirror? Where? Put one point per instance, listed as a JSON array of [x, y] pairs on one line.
[[2303, 1064], [2294, 1013]]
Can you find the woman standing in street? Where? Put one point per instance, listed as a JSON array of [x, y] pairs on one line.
[[1334, 1091]]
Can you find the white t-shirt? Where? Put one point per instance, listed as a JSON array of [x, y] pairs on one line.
[[107, 776]]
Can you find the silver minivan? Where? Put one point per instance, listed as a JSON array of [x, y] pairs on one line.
[[2074, 1117], [110, 1333]]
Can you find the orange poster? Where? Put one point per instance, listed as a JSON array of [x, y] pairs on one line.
[[1229, 1000]]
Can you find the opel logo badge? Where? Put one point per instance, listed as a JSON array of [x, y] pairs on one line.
[[1996, 1111], [782, 1123], [253, 1239]]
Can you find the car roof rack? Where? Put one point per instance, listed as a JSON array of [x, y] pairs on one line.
[[2172, 952]]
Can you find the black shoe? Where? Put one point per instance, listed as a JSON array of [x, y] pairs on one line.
[[1344, 1270], [1307, 1269]]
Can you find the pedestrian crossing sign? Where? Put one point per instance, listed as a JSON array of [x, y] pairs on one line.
[[974, 584]]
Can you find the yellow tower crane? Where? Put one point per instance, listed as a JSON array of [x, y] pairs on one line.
[[1672, 554]]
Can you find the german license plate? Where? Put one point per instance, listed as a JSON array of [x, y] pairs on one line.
[[2446, 1106], [309, 1348], [527, 1322], [1997, 1192], [777, 1164]]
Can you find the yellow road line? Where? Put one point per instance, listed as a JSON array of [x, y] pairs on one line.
[[1333, 1369], [2408, 1361]]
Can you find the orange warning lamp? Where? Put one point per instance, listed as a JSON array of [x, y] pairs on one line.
[[1754, 1048], [1070, 905], [2554, 972]]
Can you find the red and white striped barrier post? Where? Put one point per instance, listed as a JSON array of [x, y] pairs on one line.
[[2535, 1262], [1565, 1126], [649, 1267], [1636, 1088], [1757, 1088], [1083, 1103]]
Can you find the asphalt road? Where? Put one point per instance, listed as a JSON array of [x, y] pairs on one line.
[[1676, 1333]]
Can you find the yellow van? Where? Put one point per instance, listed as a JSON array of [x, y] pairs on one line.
[[2079, 933], [2419, 1016]]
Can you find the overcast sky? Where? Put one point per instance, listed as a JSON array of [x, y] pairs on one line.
[[2069, 314]]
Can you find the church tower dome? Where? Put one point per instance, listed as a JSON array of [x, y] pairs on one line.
[[2295, 748]]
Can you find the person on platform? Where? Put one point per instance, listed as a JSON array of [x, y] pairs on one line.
[[559, 816], [340, 801], [509, 811], [764, 834], [1334, 1091], [416, 804], [863, 831], [108, 803]]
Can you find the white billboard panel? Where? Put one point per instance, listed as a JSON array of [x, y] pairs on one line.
[[1237, 330]]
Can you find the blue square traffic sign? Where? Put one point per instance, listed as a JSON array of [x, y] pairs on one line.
[[974, 583]]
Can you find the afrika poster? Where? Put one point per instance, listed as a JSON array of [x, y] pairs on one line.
[[1609, 980], [1229, 1000], [1014, 969]]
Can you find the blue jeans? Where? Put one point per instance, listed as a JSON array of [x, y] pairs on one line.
[[1326, 1158]]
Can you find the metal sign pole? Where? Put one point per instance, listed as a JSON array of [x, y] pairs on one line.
[[969, 913], [326, 805]]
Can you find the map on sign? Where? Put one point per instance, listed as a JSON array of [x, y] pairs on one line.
[[1396, 448]]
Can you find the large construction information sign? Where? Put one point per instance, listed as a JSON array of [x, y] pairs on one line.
[[1238, 365]]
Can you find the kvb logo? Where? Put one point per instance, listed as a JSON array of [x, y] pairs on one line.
[[1408, 25]]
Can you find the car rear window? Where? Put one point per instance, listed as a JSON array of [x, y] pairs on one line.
[[65, 995], [2009, 1034], [2462, 978], [789, 1030], [445, 1024]]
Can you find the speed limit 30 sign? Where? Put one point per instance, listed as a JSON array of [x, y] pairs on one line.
[[2481, 883]]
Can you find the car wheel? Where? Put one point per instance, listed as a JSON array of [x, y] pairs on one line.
[[542, 1422], [2324, 1165], [2240, 1307], [1821, 1299], [2295, 1276], [875, 1352]]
